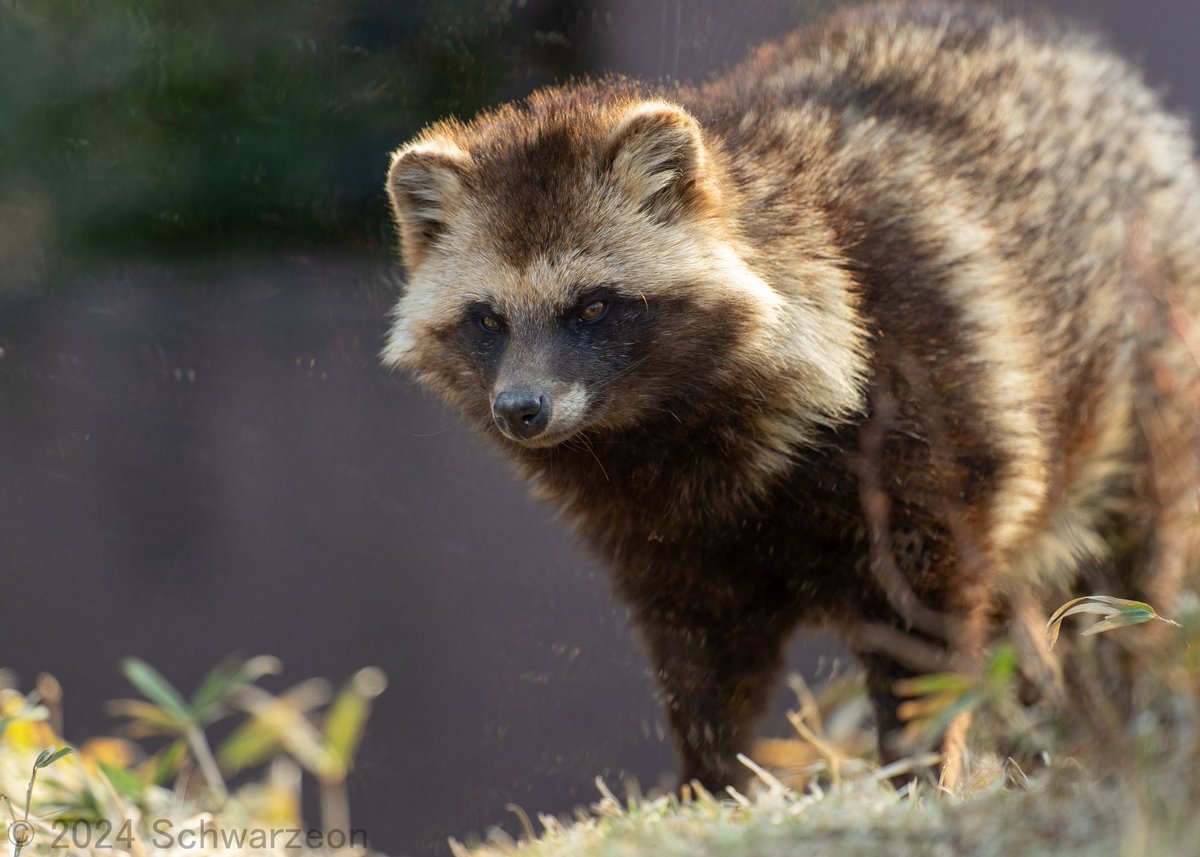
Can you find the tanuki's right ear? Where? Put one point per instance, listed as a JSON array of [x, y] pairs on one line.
[[425, 184]]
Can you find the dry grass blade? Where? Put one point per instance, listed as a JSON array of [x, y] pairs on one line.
[[823, 747]]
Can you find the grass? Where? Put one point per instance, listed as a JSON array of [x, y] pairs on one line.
[[1100, 784], [1061, 814]]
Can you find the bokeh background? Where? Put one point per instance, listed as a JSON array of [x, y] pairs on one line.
[[199, 453]]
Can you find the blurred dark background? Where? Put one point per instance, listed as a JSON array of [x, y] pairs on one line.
[[198, 451]]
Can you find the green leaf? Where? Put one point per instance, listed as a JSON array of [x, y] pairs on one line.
[[210, 701], [125, 782], [169, 761], [216, 688], [155, 688], [1002, 667], [932, 683], [1118, 613], [48, 758], [251, 744]]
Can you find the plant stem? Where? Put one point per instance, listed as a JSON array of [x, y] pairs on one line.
[[335, 806], [29, 791], [204, 758]]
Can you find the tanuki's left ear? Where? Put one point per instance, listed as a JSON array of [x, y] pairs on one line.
[[655, 153]]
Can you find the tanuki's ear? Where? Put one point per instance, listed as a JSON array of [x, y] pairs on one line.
[[425, 184], [656, 154]]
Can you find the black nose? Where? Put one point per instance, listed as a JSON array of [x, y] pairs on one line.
[[521, 414]]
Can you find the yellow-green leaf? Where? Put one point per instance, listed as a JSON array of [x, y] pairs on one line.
[[1118, 613], [348, 715], [148, 719]]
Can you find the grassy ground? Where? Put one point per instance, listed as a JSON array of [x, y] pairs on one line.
[[1093, 780], [1095, 776], [1060, 815]]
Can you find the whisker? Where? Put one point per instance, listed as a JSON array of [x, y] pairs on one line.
[[587, 444]]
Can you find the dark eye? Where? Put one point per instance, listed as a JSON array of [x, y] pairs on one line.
[[593, 312], [489, 323]]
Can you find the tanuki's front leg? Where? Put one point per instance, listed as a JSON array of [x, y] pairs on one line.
[[716, 677]]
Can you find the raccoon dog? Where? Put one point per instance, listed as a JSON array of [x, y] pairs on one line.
[[865, 335]]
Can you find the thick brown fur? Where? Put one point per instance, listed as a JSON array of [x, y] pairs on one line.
[[975, 230]]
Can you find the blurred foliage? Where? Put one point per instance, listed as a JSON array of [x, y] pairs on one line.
[[116, 780], [153, 125]]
